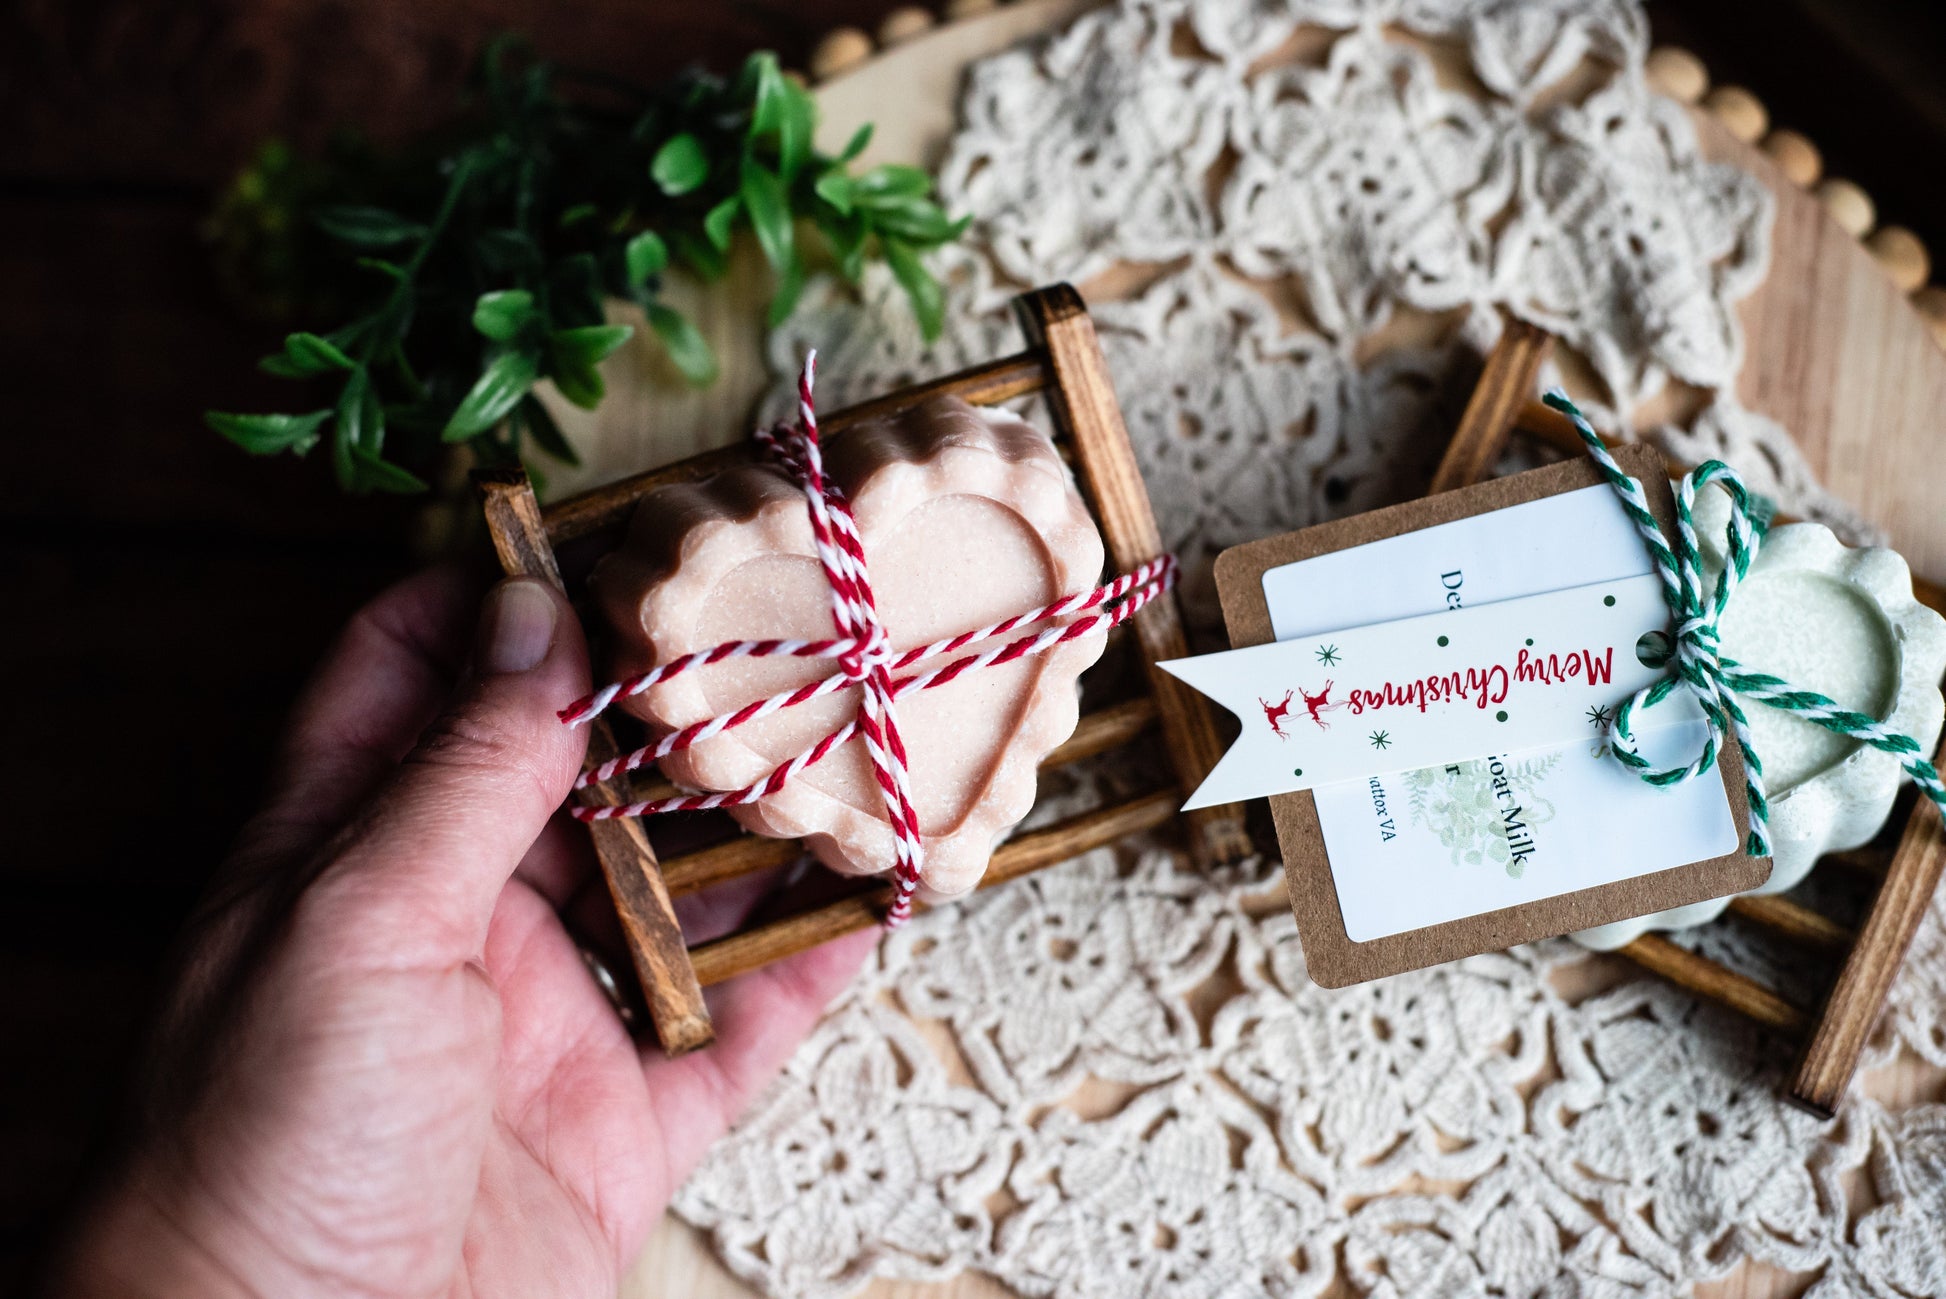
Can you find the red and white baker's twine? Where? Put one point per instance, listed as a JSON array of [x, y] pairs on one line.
[[865, 659]]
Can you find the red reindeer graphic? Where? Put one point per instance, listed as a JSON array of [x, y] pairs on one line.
[[1275, 714], [1316, 705]]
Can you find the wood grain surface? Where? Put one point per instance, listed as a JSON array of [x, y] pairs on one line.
[[1081, 401], [650, 929], [1506, 385], [163, 588]]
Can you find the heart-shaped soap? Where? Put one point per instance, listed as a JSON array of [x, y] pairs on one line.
[[967, 517]]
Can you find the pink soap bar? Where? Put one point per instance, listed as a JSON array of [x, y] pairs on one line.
[[967, 517]]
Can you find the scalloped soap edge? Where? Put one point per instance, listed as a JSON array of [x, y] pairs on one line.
[[1844, 805]]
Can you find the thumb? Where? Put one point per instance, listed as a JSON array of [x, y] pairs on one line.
[[424, 867]]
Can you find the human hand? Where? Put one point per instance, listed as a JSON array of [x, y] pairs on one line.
[[385, 1069]]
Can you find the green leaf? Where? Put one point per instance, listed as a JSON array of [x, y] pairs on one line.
[[834, 187], [506, 254], [371, 429], [743, 91], [767, 106], [575, 291], [717, 223], [305, 355], [579, 212], [790, 284], [889, 183], [928, 302], [919, 222], [263, 435], [580, 383], [282, 366], [354, 403], [367, 227], [314, 355], [589, 344], [503, 314], [846, 236], [687, 348], [343, 467], [503, 384], [794, 133], [770, 213], [856, 145], [573, 355], [701, 256], [647, 256], [680, 165], [545, 432], [390, 270], [373, 472], [785, 110]]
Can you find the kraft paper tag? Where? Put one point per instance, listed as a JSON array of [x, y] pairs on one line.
[[1426, 827]]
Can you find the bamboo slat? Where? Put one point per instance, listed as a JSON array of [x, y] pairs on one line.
[[1792, 921], [1506, 386], [655, 942], [1083, 406], [1852, 1008], [1705, 978], [741, 855], [739, 953], [1869, 861], [1105, 729]]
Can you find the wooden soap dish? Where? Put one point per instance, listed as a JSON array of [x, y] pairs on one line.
[[1063, 361], [1833, 1038]]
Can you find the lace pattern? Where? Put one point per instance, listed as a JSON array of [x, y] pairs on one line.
[[1114, 1078]]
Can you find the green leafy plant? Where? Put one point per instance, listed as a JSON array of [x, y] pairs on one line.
[[469, 270]]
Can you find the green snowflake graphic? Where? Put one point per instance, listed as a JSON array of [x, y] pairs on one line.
[[1381, 739], [1600, 718], [1328, 655]]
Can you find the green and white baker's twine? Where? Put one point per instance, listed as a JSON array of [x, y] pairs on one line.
[[1697, 662]]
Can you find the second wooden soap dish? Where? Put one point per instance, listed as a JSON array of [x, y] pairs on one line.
[[1833, 1039]]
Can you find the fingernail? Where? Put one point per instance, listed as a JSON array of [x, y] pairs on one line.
[[516, 627]]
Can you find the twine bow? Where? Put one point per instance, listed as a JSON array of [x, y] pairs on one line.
[[1696, 660], [863, 652]]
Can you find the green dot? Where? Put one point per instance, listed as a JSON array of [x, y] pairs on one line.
[[1500, 716], [1530, 640], [1297, 771], [1608, 600], [1442, 640]]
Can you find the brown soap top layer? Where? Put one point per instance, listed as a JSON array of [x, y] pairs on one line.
[[665, 520]]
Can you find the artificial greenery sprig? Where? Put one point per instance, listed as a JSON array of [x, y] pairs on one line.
[[477, 267]]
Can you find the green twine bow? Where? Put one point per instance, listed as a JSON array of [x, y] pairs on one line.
[[1696, 661]]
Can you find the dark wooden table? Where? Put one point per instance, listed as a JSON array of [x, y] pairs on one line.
[[163, 594]]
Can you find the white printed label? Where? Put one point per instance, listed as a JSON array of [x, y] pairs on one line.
[[1537, 672]]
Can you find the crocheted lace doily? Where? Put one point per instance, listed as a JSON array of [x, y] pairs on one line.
[[1114, 1078]]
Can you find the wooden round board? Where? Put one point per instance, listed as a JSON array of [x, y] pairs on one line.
[[1835, 353]]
